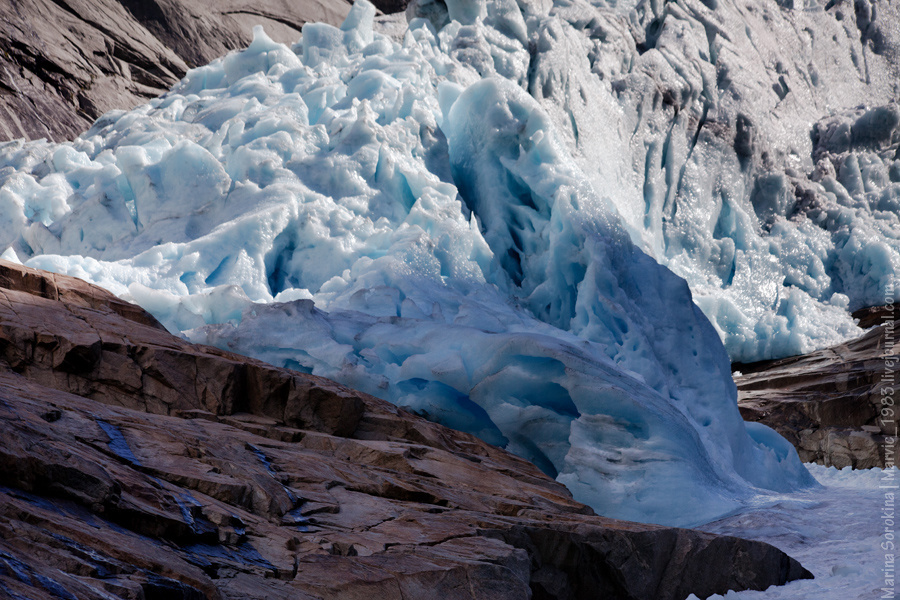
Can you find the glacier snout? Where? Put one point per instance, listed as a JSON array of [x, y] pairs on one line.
[[384, 214]]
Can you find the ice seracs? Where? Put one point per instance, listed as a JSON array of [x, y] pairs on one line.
[[473, 223]]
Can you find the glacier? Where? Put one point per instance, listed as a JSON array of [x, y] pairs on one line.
[[525, 220]]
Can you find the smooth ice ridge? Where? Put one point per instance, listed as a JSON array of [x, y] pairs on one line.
[[412, 219]]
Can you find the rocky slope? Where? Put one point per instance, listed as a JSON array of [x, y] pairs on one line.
[[829, 403], [136, 465], [66, 62]]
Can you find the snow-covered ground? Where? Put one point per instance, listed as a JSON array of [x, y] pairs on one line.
[[845, 533]]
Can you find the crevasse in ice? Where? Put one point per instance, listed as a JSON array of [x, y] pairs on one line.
[[417, 219]]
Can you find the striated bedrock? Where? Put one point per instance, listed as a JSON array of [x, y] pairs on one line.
[[837, 405], [134, 464], [66, 62]]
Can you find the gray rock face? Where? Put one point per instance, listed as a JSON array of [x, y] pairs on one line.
[[837, 406], [136, 465], [66, 62]]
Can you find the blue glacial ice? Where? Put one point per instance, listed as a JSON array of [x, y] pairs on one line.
[[422, 219]]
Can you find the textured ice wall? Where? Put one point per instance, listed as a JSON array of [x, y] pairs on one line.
[[424, 195], [728, 135]]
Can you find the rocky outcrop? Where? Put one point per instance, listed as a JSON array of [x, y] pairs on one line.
[[136, 465], [837, 406], [66, 62]]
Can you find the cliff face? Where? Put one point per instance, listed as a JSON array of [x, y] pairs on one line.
[[136, 465], [66, 62]]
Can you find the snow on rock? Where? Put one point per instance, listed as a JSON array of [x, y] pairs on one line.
[[471, 222]]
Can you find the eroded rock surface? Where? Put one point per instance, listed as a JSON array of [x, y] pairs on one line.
[[136, 465], [837, 406]]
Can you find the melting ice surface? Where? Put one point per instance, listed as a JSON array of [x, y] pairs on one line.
[[407, 218], [836, 532]]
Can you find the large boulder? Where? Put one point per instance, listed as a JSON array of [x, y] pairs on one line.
[[136, 465]]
